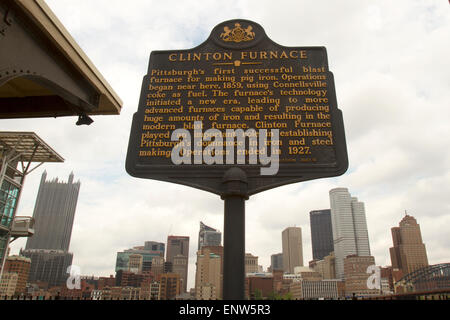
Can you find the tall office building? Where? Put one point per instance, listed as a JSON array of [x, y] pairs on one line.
[[180, 266], [179, 245], [276, 262], [292, 248], [348, 219], [218, 251], [208, 236], [54, 214], [321, 233], [208, 277], [408, 253]]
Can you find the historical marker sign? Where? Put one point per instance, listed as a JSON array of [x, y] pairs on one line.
[[238, 81]]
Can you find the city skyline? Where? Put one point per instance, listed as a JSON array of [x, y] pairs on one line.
[[265, 267], [152, 245], [397, 160]]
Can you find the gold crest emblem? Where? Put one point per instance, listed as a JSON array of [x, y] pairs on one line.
[[237, 34]]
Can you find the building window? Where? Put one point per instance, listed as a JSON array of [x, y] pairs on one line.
[[8, 198]]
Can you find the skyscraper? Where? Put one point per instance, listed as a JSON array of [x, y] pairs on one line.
[[276, 262], [321, 233], [408, 253], [348, 219], [180, 266], [208, 277], [179, 245], [54, 214], [208, 236], [292, 248]]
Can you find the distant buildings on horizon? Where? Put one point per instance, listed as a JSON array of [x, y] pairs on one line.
[[340, 250]]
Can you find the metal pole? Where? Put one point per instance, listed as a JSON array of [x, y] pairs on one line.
[[234, 196]]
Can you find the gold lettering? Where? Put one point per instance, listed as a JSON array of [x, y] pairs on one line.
[[228, 55], [293, 54], [197, 56], [251, 94], [172, 57]]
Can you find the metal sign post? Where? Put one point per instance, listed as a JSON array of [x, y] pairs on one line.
[[234, 196]]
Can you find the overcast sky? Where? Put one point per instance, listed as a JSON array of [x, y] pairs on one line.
[[392, 76]]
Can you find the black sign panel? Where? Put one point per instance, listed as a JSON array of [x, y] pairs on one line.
[[238, 79]]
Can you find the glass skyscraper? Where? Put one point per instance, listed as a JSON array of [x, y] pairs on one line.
[[350, 235], [276, 261], [208, 236], [321, 233]]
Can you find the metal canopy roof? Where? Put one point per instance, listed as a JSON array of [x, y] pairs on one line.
[[28, 146], [43, 71]]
